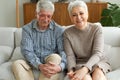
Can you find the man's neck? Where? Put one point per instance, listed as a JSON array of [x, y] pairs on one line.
[[43, 27]]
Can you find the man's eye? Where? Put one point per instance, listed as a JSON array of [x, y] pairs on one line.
[[41, 15], [74, 15], [49, 16]]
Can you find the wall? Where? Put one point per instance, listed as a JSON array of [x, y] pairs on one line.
[[8, 11], [113, 1]]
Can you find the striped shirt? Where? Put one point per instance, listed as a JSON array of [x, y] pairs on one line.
[[36, 44]]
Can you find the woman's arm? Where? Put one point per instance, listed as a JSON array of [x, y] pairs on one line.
[[97, 49], [71, 60]]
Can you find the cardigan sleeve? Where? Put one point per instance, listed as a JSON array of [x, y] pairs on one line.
[[71, 60], [97, 49]]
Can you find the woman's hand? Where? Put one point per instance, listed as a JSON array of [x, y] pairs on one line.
[[79, 74], [70, 74]]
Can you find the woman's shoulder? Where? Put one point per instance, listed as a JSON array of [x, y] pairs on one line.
[[69, 28], [95, 26]]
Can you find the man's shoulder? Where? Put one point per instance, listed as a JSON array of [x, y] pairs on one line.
[[57, 27], [29, 26]]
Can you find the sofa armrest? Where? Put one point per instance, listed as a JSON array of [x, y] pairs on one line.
[[5, 53], [16, 54]]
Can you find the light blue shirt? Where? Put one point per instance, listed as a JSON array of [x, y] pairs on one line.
[[36, 44]]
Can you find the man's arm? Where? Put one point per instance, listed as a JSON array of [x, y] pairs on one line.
[[27, 48], [61, 50]]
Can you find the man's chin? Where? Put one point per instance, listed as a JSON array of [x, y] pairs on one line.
[[45, 25]]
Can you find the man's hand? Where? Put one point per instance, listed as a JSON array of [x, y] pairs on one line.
[[54, 67], [49, 69]]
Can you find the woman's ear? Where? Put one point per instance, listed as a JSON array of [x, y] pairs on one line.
[[35, 14]]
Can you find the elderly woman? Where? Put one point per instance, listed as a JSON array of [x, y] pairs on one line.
[[84, 46]]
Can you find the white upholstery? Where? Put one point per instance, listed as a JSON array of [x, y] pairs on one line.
[[16, 54], [6, 43], [114, 57], [7, 36], [13, 37], [114, 75], [112, 37], [18, 35], [5, 53], [6, 72]]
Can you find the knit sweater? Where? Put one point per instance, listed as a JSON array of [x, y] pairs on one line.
[[84, 47]]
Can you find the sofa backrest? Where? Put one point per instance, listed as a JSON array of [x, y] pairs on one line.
[[18, 37], [112, 44], [7, 36], [112, 36]]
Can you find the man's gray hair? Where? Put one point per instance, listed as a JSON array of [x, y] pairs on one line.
[[77, 3], [45, 5]]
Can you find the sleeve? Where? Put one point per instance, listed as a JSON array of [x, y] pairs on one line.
[[71, 60], [27, 49], [61, 50], [98, 48]]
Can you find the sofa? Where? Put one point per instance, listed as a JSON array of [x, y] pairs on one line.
[[10, 51]]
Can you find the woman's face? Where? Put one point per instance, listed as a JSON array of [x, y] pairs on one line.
[[79, 17]]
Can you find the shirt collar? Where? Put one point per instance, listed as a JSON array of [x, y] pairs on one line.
[[51, 26]]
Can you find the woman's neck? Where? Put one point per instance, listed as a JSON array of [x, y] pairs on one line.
[[81, 27]]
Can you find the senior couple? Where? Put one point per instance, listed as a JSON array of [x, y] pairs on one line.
[[50, 49]]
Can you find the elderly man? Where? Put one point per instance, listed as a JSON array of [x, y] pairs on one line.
[[42, 46]]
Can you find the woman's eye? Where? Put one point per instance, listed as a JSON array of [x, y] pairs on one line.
[[81, 13]]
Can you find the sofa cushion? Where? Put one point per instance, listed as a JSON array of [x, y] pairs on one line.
[[16, 54], [5, 53], [6, 72], [114, 56], [107, 48], [114, 75]]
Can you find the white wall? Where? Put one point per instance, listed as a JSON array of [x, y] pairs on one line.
[[8, 11], [112, 1]]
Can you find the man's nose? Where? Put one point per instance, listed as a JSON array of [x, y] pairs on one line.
[[78, 16]]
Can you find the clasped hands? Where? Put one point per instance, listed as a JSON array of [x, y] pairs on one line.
[[78, 74], [49, 69]]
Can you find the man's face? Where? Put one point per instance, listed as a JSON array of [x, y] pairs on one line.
[[44, 18]]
